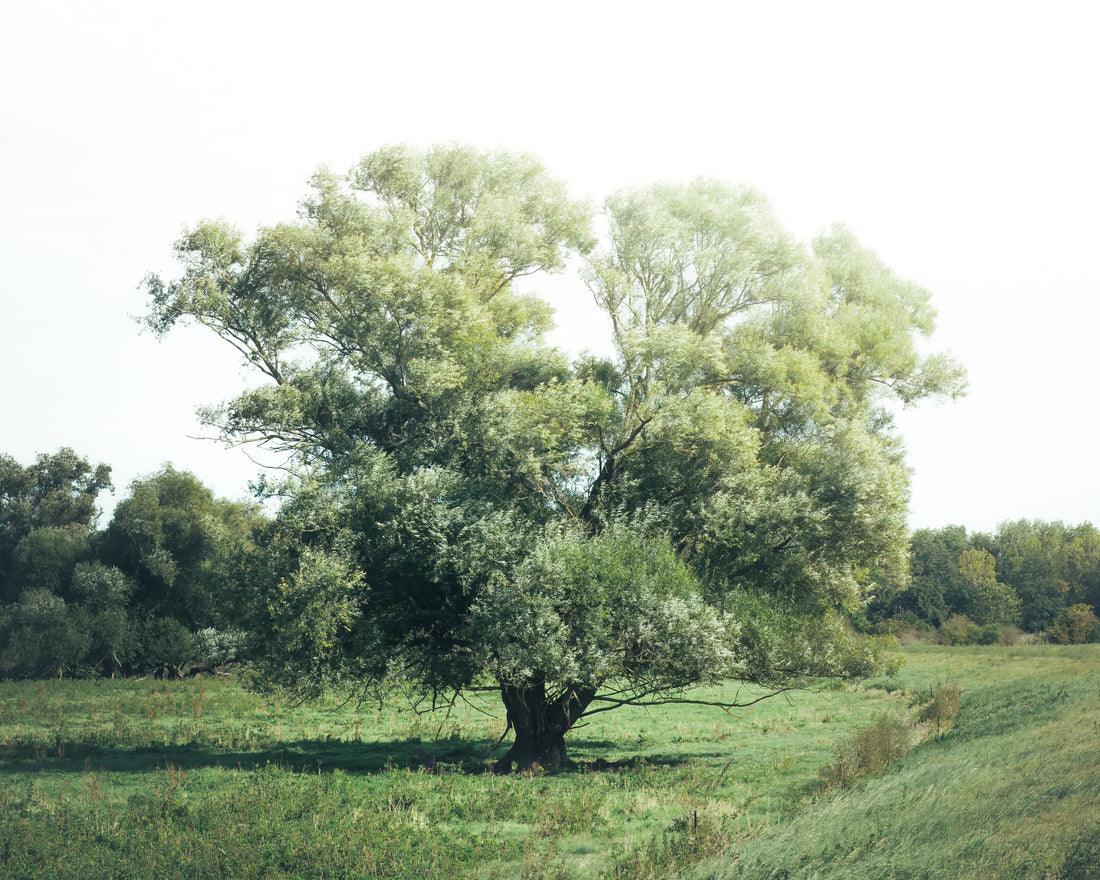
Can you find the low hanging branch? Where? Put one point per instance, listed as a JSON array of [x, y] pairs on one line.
[[725, 706]]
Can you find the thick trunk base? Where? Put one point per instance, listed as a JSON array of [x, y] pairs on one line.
[[540, 724], [528, 756]]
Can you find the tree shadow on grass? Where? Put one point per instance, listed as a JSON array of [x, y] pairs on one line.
[[311, 755], [315, 756]]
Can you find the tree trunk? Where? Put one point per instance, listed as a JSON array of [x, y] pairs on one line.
[[540, 725]]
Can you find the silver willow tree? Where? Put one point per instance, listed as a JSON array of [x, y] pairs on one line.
[[470, 509]]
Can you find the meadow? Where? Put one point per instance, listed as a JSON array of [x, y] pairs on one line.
[[210, 778]]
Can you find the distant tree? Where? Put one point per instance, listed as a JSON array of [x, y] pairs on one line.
[[57, 491], [1083, 566], [127, 599], [937, 589], [1038, 568], [991, 602], [1032, 560], [46, 557], [104, 594], [472, 510], [178, 544]]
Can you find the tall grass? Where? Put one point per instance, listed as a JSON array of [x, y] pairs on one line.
[[1012, 790]]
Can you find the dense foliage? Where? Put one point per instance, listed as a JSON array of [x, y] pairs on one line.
[[156, 590], [47, 512], [471, 509], [1043, 577]]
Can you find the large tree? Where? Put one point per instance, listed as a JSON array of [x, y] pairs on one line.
[[472, 510]]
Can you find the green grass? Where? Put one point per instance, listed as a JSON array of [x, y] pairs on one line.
[[208, 779], [1011, 790]]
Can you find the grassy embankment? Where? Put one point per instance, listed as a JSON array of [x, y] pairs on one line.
[[204, 779], [1012, 790]]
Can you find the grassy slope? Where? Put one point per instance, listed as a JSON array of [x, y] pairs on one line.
[[1003, 794]]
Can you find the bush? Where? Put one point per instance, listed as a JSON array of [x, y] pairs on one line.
[[41, 637], [166, 646], [112, 640], [961, 630], [907, 629], [1011, 636], [213, 648], [1076, 625], [867, 752], [990, 635]]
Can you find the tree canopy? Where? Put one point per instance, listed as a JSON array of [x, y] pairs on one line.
[[178, 544], [157, 590], [57, 493], [470, 509]]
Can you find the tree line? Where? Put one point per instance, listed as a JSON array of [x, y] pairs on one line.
[[158, 590], [1032, 576], [169, 585]]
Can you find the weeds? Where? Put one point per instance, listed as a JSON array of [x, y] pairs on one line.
[[688, 840], [868, 751], [942, 707]]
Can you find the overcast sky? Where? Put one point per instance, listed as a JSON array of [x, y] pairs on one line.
[[959, 140]]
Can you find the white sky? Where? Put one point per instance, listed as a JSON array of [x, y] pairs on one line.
[[959, 140]]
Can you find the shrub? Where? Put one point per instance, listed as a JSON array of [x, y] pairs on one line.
[[213, 647], [906, 629], [41, 637], [1011, 636], [166, 646], [960, 630], [867, 752], [112, 640], [990, 635], [1075, 626]]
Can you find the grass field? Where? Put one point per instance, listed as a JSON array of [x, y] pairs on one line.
[[207, 778], [1011, 791]]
